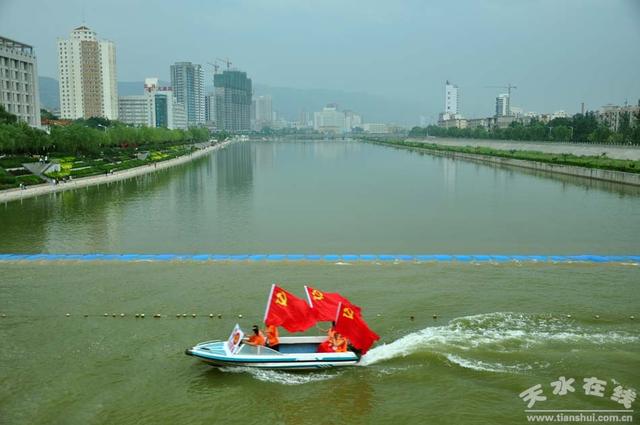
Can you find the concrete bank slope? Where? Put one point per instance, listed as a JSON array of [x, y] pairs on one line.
[[569, 170], [612, 151], [43, 189]]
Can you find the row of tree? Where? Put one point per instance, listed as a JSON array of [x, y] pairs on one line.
[[89, 137], [579, 128]]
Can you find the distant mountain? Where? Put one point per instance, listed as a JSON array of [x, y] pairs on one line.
[[49, 93], [288, 102]]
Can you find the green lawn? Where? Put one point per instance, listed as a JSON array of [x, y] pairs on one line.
[[114, 160], [76, 167], [9, 180]]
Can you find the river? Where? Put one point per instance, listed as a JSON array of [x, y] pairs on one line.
[[500, 328]]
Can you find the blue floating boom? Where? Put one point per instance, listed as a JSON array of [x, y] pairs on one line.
[[559, 258], [165, 257], [441, 257], [501, 258], [331, 257], [462, 258], [350, 257], [368, 257], [425, 258], [481, 258], [540, 258], [239, 257]]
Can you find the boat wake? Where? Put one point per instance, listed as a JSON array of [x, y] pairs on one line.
[[492, 335], [282, 377], [492, 342]]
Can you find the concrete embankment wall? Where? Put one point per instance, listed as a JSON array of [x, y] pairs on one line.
[[570, 170], [43, 189]]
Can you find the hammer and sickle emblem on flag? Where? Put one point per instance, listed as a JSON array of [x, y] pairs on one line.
[[281, 298], [347, 312], [317, 295]]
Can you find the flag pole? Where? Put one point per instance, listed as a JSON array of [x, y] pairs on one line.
[[338, 312], [306, 291], [266, 311]]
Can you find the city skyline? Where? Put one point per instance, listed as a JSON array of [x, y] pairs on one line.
[[551, 59]]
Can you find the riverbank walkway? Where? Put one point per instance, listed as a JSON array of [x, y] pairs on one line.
[[44, 189], [612, 151]]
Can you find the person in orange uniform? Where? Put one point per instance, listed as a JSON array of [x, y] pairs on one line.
[[327, 346], [273, 340], [257, 338], [339, 343]]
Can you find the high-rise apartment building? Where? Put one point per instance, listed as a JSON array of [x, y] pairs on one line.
[[210, 108], [233, 100], [19, 81], [87, 76], [451, 105], [263, 111], [502, 105], [187, 81]]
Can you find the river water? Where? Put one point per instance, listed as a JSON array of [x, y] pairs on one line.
[[500, 328]]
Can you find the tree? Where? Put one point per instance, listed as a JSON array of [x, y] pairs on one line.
[[46, 115], [7, 117], [561, 133]]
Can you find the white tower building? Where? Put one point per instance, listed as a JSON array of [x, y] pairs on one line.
[[451, 105], [502, 105], [87, 76]]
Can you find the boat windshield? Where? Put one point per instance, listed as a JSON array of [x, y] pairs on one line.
[[257, 350]]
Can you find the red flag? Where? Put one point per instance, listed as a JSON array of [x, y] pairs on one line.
[[286, 310], [325, 304], [350, 324]]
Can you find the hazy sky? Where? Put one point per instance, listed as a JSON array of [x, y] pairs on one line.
[[558, 52]]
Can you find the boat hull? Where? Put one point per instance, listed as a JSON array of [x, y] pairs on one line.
[[215, 354]]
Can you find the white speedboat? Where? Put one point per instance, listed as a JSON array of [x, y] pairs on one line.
[[293, 352]]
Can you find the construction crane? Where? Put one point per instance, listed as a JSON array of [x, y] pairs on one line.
[[509, 86], [215, 66], [225, 60]]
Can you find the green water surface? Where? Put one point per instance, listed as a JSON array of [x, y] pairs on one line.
[[500, 328]]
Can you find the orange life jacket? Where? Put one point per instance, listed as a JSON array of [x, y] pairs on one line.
[[272, 335], [331, 334], [340, 344], [257, 339]]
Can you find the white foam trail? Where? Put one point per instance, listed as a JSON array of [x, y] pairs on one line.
[[281, 377], [495, 366], [496, 332]]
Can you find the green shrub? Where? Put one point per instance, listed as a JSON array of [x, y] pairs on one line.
[[29, 180]]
